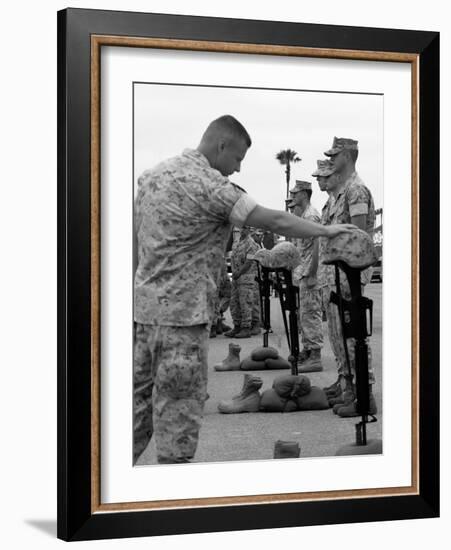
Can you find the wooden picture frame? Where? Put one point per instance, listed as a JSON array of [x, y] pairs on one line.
[[81, 35]]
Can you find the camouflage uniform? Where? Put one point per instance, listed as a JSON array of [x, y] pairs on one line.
[[353, 199], [323, 269], [224, 294], [323, 170], [310, 313], [244, 289], [184, 213]]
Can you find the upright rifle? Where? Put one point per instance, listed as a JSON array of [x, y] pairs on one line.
[[289, 302], [356, 315]]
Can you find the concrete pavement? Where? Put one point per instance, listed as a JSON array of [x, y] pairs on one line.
[[251, 436]]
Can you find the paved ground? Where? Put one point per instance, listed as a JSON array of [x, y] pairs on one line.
[[251, 436]]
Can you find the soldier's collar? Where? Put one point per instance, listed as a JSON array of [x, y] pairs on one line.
[[196, 155]]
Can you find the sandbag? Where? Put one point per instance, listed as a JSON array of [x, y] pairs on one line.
[[272, 402], [250, 364], [279, 363], [316, 400], [292, 385], [261, 353]]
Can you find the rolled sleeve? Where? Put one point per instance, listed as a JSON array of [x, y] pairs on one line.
[[241, 210], [358, 209]]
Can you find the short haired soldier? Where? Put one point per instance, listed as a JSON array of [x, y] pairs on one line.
[[305, 275], [184, 212], [323, 171], [352, 203], [243, 302]]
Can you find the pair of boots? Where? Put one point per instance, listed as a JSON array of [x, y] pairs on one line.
[[248, 400], [238, 332], [218, 328], [309, 360], [344, 403]]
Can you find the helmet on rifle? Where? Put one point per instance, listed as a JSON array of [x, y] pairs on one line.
[[284, 255], [355, 249]]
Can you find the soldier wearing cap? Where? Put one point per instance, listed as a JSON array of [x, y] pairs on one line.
[[243, 307], [350, 202], [305, 275], [323, 171], [184, 212]]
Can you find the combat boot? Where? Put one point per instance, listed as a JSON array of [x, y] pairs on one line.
[[303, 356], [222, 326], [343, 400], [313, 363], [232, 361], [219, 327], [248, 400], [334, 389], [255, 330], [349, 410], [243, 333], [213, 331], [286, 449], [233, 332]]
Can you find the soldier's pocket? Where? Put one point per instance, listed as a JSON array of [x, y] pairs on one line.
[[182, 376]]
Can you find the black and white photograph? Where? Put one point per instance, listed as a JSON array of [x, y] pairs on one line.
[[248, 221], [258, 273]]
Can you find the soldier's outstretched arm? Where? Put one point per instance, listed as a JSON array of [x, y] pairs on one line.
[[292, 226]]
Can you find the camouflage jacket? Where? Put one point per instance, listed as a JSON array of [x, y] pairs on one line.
[[239, 256], [353, 199], [184, 212], [305, 246]]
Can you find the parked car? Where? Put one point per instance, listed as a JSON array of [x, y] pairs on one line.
[[377, 271]]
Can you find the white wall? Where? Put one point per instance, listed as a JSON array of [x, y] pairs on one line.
[[28, 273]]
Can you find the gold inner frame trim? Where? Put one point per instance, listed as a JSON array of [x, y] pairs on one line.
[[97, 41]]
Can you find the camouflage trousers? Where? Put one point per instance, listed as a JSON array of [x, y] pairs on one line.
[[325, 297], [245, 304], [310, 316], [336, 338], [221, 306], [222, 302], [169, 389]]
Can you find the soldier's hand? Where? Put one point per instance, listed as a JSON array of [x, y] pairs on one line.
[[333, 230]]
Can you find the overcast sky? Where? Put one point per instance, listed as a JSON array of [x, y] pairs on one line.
[[169, 118]]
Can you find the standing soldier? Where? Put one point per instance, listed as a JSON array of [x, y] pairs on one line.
[[350, 202], [184, 212], [323, 171], [310, 313], [245, 316], [222, 302]]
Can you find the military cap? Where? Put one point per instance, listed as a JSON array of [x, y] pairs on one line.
[[301, 186], [340, 144], [325, 168]]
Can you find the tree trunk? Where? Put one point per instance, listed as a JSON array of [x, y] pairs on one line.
[[287, 172]]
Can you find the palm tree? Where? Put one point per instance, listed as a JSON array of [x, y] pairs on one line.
[[286, 157]]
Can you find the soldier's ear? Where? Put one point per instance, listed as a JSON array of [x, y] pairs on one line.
[[221, 145]]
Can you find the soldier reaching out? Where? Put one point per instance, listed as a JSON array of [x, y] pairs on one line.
[[184, 212]]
